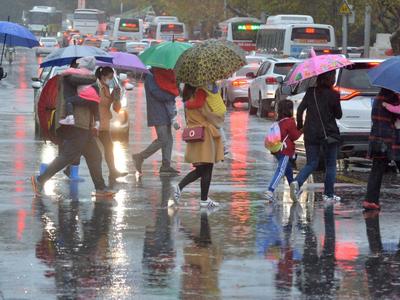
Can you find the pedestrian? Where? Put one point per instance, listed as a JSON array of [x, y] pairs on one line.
[[161, 89], [77, 140], [105, 77], [288, 135], [383, 146], [321, 133], [202, 154]]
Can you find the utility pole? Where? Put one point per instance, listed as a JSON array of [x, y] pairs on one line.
[[225, 5], [345, 32], [367, 30]]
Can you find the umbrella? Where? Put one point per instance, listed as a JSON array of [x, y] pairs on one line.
[[64, 56], [231, 45], [387, 74], [12, 34], [164, 55], [207, 63], [316, 65], [125, 61]]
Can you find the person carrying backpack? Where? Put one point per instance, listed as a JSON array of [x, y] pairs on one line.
[[280, 141]]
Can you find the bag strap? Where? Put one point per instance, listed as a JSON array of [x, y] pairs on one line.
[[319, 113]]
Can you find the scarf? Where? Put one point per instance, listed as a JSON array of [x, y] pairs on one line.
[[166, 80]]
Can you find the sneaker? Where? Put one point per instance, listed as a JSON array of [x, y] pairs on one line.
[[36, 186], [176, 196], [335, 198], [168, 171], [294, 191], [269, 196], [209, 204], [104, 193], [69, 120], [138, 161], [371, 205]]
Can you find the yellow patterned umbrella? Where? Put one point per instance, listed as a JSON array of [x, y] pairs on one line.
[[208, 62]]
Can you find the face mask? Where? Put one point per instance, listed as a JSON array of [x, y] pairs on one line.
[[108, 81]]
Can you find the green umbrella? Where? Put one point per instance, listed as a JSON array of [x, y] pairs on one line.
[[164, 55], [207, 63]]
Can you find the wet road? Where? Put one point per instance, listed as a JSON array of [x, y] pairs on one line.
[[68, 246]]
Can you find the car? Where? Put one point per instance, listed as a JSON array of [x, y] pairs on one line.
[[94, 42], [261, 91], [136, 47], [105, 44], [118, 46], [356, 94], [119, 124], [47, 45], [235, 88], [256, 59], [151, 42]]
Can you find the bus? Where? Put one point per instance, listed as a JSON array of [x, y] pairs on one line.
[[90, 21], [128, 28], [241, 31], [292, 35], [44, 19], [167, 31]]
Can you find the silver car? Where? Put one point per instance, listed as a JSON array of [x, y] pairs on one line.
[[47, 45]]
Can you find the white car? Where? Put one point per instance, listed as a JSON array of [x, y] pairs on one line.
[[135, 47], [47, 45], [263, 87]]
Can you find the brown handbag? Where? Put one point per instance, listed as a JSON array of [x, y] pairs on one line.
[[193, 135]]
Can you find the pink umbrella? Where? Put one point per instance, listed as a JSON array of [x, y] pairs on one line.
[[316, 65], [125, 61]]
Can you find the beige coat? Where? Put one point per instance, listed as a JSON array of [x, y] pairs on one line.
[[211, 150], [106, 99]]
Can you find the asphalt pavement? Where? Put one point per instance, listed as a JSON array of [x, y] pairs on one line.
[[67, 245]]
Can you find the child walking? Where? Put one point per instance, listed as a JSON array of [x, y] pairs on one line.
[[286, 150]]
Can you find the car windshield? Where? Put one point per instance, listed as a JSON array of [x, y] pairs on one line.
[[247, 69], [48, 40], [121, 46], [283, 68], [356, 78]]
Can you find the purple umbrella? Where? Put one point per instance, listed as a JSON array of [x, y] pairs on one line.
[[125, 61]]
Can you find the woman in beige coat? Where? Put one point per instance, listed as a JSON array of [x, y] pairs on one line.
[[203, 155]]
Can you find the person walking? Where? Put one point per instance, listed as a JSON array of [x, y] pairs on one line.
[[161, 89], [383, 145], [321, 133], [78, 139], [105, 76], [202, 154]]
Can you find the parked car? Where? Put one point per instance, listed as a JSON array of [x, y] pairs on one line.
[[47, 45], [135, 47], [235, 88], [256, 59], [119, 122], [356, 94], [261, 92]]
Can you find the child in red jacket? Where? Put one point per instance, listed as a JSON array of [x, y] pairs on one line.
[[289, 134]]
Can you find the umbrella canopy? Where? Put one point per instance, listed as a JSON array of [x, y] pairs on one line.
[[46, 106], [64, 56], [387, 74], [316, 65], [125, 61], [207, 63], [164, 55], [13, 34], [231, 45]]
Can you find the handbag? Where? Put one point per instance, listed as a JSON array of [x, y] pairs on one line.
[[328, 139], [193, 134]]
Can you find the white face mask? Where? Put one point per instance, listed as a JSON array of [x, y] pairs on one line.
[[108, 81]]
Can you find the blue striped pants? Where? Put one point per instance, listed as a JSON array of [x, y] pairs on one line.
[[284, 169]]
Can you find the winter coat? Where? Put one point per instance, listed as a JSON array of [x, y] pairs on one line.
[[211, 150], [106, 99], [330, 109], [160, 104], [289, 134]]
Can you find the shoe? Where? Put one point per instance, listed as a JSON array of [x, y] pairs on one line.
[[294, 191], [69, 120], [117, 174], [334, 198], [176, 196], [168, 171], [104, 193], [138, 161], [209, 204], [36, 186], [371, 205], [269, 196]]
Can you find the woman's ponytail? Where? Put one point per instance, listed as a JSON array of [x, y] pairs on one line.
[[103, 71], [98, 72]]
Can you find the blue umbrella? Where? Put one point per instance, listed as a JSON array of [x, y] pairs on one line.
[[64, 56], [12, 34], [387, 74]]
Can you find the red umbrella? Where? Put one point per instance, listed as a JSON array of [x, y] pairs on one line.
[[47, 107]]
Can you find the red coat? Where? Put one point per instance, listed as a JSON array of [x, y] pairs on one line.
[[289, 132]]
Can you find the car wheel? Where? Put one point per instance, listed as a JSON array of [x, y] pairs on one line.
[[252, 109], [261, 111]]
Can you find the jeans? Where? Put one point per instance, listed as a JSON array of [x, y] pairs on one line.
[[203, 171], [375, 179], [105, 139], [313, 156], [164, 142], [284, 168], [77, 142]]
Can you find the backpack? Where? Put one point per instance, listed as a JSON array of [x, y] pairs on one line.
[[273, 140]]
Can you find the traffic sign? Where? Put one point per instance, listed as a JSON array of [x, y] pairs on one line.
[[345, 9]]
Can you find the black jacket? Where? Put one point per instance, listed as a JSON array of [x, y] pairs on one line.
[[329, 106]]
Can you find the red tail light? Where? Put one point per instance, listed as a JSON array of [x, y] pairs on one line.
[[346, 93], [271, 80], [239, 82]]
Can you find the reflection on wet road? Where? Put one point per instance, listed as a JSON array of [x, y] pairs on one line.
[[68, 246]]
